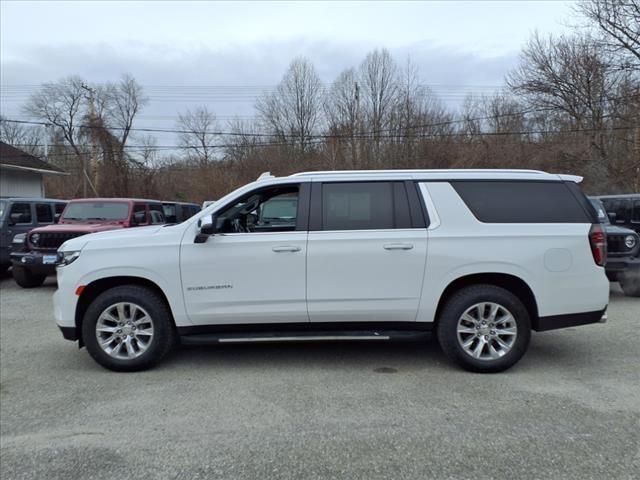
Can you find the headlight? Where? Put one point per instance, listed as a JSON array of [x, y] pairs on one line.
[[19, 239], [65, 258], [630, 241], [35, 238]]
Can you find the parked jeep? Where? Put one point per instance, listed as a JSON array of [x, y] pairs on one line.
[[623, 210], [34, 256], [178, 212], [19, 215], [623, 253]]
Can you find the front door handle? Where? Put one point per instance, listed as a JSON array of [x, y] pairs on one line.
[[398, 246], [286, 248]]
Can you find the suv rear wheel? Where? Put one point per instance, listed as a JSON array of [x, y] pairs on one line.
[[484, 328], [128, 328], [27, 279]]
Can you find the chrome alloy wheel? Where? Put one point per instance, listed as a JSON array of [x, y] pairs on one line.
[[487, 331], [124, 330]]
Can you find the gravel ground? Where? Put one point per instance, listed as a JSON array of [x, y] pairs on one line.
[[569, 409]]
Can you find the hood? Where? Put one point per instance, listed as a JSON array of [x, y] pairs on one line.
[[615, 230], [76, 228], [111, 235]]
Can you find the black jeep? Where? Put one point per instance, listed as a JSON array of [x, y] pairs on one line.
[[623, 210], [623, 253]]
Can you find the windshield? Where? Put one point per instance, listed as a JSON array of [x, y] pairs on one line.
[[602, 213], [96, 211], [3, 205]]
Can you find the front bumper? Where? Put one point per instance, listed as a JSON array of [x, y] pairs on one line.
[[40, 263], [616, 266]]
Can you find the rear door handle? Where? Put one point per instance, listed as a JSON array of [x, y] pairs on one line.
[[398, 246], [286, 248]]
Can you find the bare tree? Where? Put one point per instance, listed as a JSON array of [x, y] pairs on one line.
[[342, 113], [572, 78], [197, 134], [294, 109], [62, 105], [124, 100], [619, 23], [378, 74], [26, 138]]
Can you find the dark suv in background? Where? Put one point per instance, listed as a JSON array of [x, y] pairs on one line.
[[19, 215], [623, 252], [35, 257], [623, 210]]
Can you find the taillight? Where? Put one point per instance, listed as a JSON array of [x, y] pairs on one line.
[[598, 242]]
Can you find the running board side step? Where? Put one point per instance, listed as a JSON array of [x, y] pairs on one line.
[[315, 336]]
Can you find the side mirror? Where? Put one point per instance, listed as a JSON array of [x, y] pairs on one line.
[[612, 217], [207, 227], [56, 217]]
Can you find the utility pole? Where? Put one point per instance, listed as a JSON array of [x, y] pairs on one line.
[[94, 157]]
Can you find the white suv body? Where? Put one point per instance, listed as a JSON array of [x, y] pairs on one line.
[[359, 254]]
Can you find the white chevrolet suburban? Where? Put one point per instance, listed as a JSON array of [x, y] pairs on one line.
[[479, 258]]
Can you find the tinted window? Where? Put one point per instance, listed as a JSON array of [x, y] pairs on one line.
[[618, 207], [357, 206], [96, 211], [521, 202], [635, 218], [43, 213], [24, 212]]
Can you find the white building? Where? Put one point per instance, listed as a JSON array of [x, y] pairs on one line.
[[21, 173]]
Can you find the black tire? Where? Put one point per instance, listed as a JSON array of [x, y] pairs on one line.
[[158, 310], [27, 279], [630, 284], [462, 300]]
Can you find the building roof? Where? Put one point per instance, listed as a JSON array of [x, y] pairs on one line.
[[16, 159]]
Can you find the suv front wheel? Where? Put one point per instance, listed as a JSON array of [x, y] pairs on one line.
[[128, 328], [484, 328]]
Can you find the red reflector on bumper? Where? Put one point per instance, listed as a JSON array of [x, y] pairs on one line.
[[80, 289]]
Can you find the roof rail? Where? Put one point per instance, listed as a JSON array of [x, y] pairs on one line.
[[416, 171], [264, 176]]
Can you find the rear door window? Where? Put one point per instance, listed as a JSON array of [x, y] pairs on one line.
[[364, 206], [44, 214], [521, 202]]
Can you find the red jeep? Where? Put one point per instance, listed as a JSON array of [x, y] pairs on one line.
[[37, 256]]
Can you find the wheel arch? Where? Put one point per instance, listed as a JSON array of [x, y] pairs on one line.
[[512, 283], [95, 288]]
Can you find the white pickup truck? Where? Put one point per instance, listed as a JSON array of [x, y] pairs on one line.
[[479, 258]]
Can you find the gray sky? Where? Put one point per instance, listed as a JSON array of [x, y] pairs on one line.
[[459, 46]]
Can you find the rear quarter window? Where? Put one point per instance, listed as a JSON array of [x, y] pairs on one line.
[[523, 202]]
